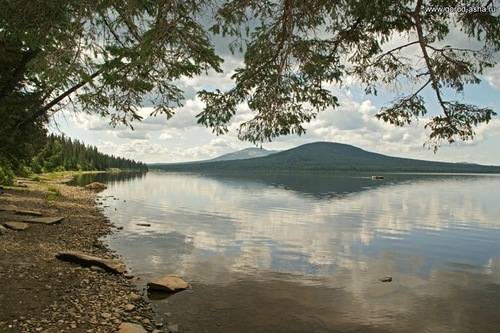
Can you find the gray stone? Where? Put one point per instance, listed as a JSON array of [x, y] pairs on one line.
[[129, 307], [133, 297], [8, 208], [131, 328], [19, 226], [27, 212], [43, 220], [3, 230], [168, 283], [106, 315]]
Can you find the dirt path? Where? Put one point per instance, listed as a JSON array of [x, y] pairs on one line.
[[39, 293]]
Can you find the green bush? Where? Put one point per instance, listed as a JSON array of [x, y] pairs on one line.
[[6, 175], [25, 171]]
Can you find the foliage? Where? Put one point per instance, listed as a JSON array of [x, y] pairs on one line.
[[109, 56], [293, 48], [112, 57], [6, 174], [53, 193], [17, 147], [63, 154]]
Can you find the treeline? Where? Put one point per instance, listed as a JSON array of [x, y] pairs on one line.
[[61, 153]]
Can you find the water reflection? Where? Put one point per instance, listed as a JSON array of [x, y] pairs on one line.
[[304, 254], [112, 177]]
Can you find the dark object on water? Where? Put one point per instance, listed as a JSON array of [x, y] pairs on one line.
[[143, 224], [386, 279], [377, 177]]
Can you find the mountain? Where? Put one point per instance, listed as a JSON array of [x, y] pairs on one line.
[[329, 156], [243, 154]]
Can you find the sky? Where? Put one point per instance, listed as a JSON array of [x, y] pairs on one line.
[[180, 138]]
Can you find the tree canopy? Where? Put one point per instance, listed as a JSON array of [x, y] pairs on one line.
[[112, 57], [299, 46]]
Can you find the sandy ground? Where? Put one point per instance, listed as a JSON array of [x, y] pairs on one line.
[[39, 293]]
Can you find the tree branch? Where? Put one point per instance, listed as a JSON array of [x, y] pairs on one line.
[[43, 110], [427, 59], [396, 49]]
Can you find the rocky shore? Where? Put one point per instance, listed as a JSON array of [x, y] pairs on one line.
[[40, 293]]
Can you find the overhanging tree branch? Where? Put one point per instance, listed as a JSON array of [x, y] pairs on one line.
[[423, 46], [43, 110]]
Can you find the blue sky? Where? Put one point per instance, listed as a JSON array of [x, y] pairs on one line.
[[157, 139]]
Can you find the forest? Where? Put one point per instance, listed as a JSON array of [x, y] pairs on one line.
[[60, 153]]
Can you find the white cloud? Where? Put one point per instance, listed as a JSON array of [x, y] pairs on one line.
[[493, 77], [133, 135], [212, 79], [355, 123]]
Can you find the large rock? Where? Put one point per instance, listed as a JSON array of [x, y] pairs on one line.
[[15, 210], [3, 230], [28, 212], [43, 220], [131, 328], [19, 226], [96, 186], [8, 208], [168, 283], [111, 265]]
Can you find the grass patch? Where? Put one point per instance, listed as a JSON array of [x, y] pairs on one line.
[[53, 193]]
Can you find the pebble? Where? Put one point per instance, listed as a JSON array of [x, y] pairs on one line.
[[129, 307], [386, 279], [106, 315], [133, 297]]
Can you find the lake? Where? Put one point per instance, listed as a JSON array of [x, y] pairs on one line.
[[306, 252]]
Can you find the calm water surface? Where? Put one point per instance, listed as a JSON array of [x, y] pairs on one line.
[[304, 253]]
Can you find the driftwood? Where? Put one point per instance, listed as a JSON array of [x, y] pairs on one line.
[[110, 265]]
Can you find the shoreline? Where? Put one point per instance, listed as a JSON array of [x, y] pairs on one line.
[[43, 294]]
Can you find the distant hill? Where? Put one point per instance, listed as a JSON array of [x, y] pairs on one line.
[[243, 154], [328, 156]]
